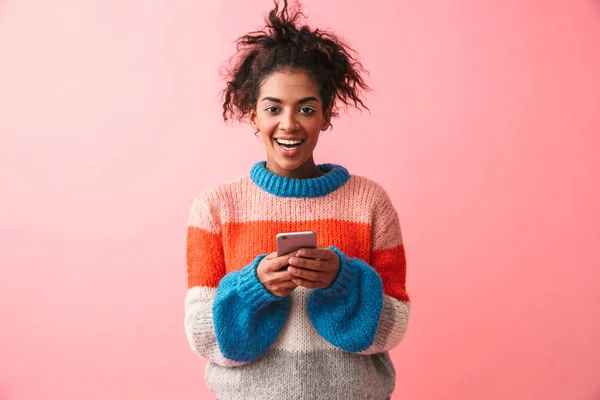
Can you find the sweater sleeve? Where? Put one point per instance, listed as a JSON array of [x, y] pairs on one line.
[[230, 319], [366, 308]]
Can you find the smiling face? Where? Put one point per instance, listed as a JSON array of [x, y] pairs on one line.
[[289, 118]]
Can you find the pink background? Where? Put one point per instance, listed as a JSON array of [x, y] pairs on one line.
[[484, 129]]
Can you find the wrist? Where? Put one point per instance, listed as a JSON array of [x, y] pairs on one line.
[[251, 287], [345, 279]]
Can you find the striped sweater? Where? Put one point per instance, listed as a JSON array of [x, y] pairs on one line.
[[328, 343]]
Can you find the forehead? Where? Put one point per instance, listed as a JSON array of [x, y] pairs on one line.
[[289, 85]]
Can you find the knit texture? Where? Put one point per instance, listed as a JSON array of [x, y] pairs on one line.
[[314, 344]]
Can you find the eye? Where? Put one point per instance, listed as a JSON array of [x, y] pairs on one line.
[[307, 110], [271, 109]]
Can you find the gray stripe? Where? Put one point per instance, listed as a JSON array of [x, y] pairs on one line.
[[392, 325], [323, 375]]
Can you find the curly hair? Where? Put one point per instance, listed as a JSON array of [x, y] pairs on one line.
[[283, 44]]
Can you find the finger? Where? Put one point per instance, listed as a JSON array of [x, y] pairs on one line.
[[307, 274], [287, 285], [308, 284], [284, 289], [308, 263], [279, 276], [279, 262], [323, 253]]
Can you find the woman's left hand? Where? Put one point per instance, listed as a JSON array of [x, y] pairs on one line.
[[314, 268]]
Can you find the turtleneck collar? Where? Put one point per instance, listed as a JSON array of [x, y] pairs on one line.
[[335, 176]]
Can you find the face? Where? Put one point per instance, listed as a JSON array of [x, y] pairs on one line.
[[289, 118]]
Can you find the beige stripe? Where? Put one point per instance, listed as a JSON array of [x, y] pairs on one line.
[[353, 202], [199, 326], [202, 215], [387, 233], [298, 333]]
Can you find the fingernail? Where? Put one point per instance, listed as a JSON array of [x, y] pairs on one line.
[[300, 253], [293, 260]]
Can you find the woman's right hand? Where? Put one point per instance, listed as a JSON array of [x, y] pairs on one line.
[[273, 277]]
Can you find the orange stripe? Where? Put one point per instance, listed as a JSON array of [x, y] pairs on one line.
[[391, 266], [244, 241], [205, 265], [208, 262]]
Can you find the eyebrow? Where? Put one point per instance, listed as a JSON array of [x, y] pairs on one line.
[[304, 100]]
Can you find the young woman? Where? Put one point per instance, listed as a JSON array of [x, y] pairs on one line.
[[317, 323]]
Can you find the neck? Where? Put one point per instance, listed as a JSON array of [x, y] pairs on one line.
[[305, 171]]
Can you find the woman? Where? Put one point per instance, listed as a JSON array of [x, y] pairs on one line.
[[317, 323]]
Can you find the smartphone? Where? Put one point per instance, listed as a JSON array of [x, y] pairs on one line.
[[292, 241]]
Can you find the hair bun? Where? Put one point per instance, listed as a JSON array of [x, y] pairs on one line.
[[283, 43]]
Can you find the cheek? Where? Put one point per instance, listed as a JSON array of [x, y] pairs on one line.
[[268, 125], [265, 138], [266, 130], [313, 129]]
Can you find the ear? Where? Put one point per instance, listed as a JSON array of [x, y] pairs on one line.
[[326, 119], [253, 118]]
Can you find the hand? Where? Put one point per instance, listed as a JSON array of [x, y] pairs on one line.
[[277, 281], [314, 268]]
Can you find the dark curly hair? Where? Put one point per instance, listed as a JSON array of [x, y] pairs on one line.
[[283, 44]]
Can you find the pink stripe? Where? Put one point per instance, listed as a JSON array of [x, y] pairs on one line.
[[351, 203]]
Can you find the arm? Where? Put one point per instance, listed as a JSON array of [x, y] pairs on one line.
[[230, 319], [365, 309]]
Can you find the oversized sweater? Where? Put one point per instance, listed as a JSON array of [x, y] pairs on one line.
[[327, 343]]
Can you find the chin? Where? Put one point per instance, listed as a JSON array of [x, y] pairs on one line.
[[290, 165]]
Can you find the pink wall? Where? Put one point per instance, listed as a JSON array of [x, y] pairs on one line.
[[484, 129]]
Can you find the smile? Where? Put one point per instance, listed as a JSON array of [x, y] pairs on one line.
[[289, 144]]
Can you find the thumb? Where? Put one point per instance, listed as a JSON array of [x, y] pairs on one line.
[[271, 255]]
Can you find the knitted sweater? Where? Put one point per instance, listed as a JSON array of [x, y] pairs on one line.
[[313, 344]]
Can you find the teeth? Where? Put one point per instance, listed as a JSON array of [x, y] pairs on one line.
[[288, 142]]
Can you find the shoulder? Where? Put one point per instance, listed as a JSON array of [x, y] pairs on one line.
[[221, 193], [212, 202], [371, 195], [370, 190], [383, 214]]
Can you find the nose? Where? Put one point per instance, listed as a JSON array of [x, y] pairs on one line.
[[288, 121]]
